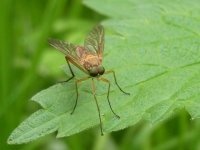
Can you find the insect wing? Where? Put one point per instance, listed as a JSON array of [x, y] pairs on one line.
[[94, 42], [69, 50]]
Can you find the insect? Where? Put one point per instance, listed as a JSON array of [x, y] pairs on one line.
[[88, 58]]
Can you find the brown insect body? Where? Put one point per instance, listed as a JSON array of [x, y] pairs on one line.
[[89, 60]]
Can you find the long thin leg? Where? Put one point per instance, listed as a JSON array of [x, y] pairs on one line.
[[70, 71], [106, 81], [111, 71], [76, 84], [93, 91]]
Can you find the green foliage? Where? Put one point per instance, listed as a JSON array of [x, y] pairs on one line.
[[153, 48]]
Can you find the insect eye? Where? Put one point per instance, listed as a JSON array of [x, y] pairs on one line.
[[93, 71], [101, 70]]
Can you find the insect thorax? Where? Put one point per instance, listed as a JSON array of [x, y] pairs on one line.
[[91, 61], [87, 59]]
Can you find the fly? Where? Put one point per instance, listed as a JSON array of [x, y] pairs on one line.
[[88, 58]]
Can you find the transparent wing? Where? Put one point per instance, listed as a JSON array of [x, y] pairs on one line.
[[69, 50], [65, 48], [94, 42]]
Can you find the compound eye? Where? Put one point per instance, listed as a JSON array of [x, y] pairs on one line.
[[93, 72], [101, 70]]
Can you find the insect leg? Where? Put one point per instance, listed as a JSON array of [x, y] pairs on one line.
[[111, 71], [93, 91], [107, 81], [70, 71], [76, 84]]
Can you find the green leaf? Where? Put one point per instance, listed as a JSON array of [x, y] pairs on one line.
[[39, 124], [154, 48]]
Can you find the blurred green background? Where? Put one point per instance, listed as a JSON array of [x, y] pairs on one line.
[[28, 64]]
